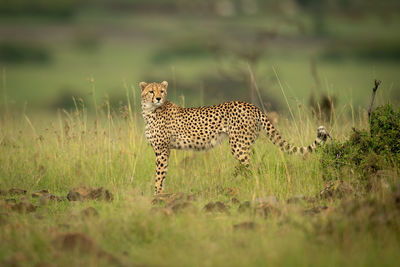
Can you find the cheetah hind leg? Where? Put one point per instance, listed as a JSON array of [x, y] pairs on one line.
[[242, 154]]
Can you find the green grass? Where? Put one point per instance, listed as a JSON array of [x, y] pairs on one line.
[[45, 148], [59, 153], [127, 49]]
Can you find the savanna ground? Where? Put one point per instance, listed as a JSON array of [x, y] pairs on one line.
[[99, 209], [77, 182]]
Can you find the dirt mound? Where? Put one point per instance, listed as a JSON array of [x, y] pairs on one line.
[[79, 242], [76, 241], [86, 193], [216, 207], [46, 197], [260, 206], [174, 203], [17, 191], [22, 206]]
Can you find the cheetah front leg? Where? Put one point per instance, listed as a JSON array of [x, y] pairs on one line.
[[162, 157]]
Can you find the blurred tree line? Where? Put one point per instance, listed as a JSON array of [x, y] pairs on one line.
[[67, 8]]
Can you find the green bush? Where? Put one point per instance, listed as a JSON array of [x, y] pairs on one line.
[[51, 8], [366, 152], [20, 53]]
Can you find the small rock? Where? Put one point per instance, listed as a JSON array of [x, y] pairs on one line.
[[16, 191], [245, 226], [90, 212]]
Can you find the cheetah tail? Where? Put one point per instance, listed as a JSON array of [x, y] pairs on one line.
[[275, 137]]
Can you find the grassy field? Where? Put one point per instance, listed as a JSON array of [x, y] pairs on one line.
[[118, 50], [275, 216], [77, 175]]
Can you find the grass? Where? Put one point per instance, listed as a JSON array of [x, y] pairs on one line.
[[96, 143], [110, 151], [126, 48]]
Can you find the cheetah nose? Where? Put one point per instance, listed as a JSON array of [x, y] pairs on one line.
[[158, 99]]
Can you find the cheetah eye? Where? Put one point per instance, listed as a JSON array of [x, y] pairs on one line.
[[151, 92], [162, 91]]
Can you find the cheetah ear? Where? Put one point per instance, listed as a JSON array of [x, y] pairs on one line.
[[164, 84], [142, 85]]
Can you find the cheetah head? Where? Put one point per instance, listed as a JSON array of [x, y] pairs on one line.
[[154, 95]]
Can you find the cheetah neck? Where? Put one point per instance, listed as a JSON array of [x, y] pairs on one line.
[[149, 111]]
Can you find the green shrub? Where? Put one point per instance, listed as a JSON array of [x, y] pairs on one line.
[[366, 152], [21, 53]]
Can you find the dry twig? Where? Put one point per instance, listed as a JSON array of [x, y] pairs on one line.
[[377, 83]]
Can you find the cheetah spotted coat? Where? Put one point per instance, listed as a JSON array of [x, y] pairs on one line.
[[169, 126]]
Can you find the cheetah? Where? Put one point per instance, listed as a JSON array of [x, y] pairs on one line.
[[169, 126]]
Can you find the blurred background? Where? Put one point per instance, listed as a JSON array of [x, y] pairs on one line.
[[316, 51]]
